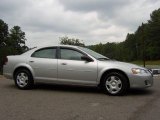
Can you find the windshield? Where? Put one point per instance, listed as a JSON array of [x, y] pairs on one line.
[[94, 54]]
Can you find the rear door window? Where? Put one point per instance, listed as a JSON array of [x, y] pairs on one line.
[[45, 53]]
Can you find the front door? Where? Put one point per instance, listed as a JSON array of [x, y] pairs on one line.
[[72, 69]]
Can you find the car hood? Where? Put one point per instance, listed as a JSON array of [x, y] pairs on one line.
[[118, 64]]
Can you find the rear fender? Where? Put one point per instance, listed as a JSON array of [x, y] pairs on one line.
[[24, 65]]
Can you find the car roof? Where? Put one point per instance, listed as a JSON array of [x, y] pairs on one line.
[[38, 47]]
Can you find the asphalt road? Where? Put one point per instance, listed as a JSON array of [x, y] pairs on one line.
[[53, 102]]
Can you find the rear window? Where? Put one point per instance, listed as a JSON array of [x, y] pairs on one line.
[[45, 53]]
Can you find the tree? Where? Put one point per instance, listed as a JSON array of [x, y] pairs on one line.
[[71, 41], [3, 33], [12, 42], [154, 35], [143, 44], [3, 39], [17, 40]]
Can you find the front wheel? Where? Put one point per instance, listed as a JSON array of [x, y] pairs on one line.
[[23, 79], [115, 83]]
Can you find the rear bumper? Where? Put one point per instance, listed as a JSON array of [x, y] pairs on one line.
[[7, 72], [141, 81], [8, 76]]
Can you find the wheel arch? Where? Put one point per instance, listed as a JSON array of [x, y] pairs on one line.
[[27, 67], [113, 70]]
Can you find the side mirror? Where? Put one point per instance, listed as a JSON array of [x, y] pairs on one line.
[[86, 58]]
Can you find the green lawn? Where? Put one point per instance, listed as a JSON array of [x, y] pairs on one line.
[[156, 62], [149, 64]]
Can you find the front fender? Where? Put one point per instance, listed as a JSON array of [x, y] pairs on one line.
[[102, 71]]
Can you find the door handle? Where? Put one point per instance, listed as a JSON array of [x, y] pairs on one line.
[[31, 61], [64, 64]]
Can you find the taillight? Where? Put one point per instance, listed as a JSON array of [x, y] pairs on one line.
[[5, 61]]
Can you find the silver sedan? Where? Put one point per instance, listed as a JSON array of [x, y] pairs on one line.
[[75, 65]]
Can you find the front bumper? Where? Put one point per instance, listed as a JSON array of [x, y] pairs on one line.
[[141, 80]]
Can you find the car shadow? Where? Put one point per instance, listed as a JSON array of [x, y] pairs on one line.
[[86, 89], [83, 89], [67, 88], [140, 92]]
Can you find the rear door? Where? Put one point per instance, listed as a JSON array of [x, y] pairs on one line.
[[44, 63]]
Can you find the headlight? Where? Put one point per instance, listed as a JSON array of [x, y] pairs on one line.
[[138, 71]]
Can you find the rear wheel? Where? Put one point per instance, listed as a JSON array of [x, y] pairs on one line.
[[23, 79], [115, 83]]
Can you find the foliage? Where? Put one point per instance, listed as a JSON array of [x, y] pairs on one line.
[[3, 33], [17, 40], [71, 41], [11, 42], [144, 42], [111, 50]]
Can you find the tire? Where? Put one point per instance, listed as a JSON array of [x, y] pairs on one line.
[[23, 79], [115, 83]]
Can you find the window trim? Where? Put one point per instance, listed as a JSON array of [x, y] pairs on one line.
[[43, 49]]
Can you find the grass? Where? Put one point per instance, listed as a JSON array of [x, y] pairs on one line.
[[155, 62]]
